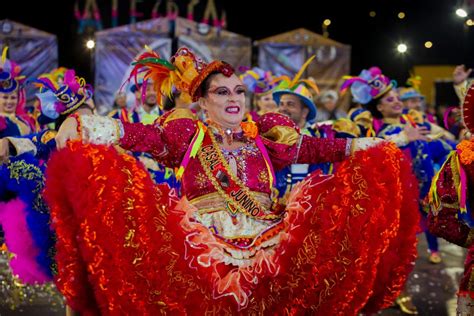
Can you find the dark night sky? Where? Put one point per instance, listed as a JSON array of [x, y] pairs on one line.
[[373, 40]]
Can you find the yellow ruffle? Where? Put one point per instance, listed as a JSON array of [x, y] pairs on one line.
[[347, 126], [282, 135]]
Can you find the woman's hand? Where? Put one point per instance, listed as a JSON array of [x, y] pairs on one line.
[[67, 131], [416, 133]]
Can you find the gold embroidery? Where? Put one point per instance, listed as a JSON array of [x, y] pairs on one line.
[[263, 177], [47, 136], [200, 180], [470, 238], [243, 189]]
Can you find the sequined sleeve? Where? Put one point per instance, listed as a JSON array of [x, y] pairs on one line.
[[287, 146], [443, 219], [317, 150], [167, 140]]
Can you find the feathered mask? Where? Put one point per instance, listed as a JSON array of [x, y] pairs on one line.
[[369, 85], [10, 79], [184, 71], [61, 98]]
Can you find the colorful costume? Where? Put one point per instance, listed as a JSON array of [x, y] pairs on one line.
[[126, 246], [25, 216], [451, 199], [425, 156], [294, 173], [261, 83], [18, 123]]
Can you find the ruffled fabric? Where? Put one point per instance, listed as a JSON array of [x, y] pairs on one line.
[[126, 246]]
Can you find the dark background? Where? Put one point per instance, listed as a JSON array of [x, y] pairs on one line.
[[373, 40]]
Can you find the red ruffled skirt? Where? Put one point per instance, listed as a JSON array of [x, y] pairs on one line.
[[127, 246]]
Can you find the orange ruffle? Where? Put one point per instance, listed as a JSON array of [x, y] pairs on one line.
[[126, 246]]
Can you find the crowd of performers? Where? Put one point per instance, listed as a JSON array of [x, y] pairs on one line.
[[200, 199]]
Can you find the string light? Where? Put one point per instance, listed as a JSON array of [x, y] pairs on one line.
[[90, 44], [402, 48], [461, 13]]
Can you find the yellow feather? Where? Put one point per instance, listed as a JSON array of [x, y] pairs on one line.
[[4, 54], [281, 78], [311, 84], [300, 72]]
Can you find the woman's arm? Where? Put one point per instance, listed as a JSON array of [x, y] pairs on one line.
[[166, 141]]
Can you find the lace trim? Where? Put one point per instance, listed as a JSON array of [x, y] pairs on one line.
[[100, 130]]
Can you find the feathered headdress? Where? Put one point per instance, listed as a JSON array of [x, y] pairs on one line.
[[413, 91], [369, 85], [259, 81], [61, 98], [299, 87], [184, 71], [56, 75], [414, 82], [10, 78]]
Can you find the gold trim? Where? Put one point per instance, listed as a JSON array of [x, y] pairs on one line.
[[213, 202], [222, 193], [282, 135], [180, 114], [392, 121], [469, 239]]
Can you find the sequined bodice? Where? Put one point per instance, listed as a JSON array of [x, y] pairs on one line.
[[248, 163]]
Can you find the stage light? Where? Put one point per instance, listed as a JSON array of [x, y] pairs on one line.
[[327, 22], [470, 22], [428, 44], [90, 44], [461, 13], [401, 15], [402, 48]]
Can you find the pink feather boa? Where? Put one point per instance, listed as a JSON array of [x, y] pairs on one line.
[[20, 242]]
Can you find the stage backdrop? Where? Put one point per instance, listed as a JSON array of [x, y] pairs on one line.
[[117, 47], [34, 50], [214, 43], [285, 53]]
